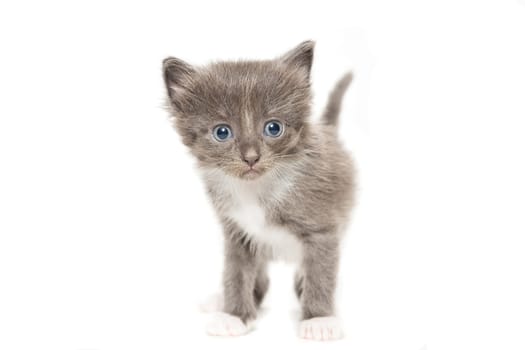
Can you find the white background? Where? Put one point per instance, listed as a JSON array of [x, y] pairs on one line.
[[107, 240]]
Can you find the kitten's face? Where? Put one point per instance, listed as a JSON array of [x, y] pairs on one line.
[[242, 117]]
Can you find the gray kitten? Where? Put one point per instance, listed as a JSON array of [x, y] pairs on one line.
[[282, 186]]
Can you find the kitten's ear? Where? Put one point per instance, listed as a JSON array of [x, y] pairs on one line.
[[301, 57], [177, 76]]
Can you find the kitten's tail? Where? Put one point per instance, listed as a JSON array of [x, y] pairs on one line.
[[333, 107]]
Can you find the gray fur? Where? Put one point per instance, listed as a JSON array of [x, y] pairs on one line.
[[333, 108], [307, 158]]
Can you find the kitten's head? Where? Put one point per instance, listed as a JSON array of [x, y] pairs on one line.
[[244, 117]]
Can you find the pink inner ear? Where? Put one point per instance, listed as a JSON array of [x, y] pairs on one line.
[[176, 89]]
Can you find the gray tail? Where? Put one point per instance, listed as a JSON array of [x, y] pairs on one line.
[[333, 107]]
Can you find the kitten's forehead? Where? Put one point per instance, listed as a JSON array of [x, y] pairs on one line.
[[250, 88], [246, 73]]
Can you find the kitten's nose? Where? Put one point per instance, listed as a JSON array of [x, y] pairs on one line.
[[251, 157]]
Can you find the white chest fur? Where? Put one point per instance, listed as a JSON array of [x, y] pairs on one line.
[[245, 208]]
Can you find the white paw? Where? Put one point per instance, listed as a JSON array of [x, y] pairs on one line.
[[321, 328], [223, 324], [214, 303]]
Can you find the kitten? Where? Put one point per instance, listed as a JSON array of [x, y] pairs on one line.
[[281, 185]]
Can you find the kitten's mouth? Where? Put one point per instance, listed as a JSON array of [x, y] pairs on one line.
[[250, 173]]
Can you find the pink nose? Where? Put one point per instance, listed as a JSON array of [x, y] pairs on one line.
[[250, 156], [251, 159]]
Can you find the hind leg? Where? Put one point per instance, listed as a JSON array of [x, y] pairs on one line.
[[299, 284], [262, 282]]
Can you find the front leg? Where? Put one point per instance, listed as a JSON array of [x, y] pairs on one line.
[[241, 267], [240, 273], [319, 274]]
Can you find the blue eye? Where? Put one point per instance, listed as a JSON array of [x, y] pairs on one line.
[[222, 133], [273, 128]]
